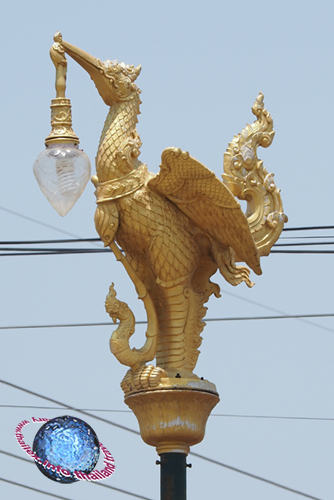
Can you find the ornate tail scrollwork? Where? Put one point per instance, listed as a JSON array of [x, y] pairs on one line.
[[248, 179]]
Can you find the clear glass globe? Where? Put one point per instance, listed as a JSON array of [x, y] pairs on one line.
[[62, 172]]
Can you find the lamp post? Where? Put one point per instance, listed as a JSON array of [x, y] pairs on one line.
[[171, 231]]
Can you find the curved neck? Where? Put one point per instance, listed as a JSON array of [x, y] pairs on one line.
[[119, 143]]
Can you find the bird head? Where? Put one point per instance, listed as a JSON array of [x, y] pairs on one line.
[[113, 80]]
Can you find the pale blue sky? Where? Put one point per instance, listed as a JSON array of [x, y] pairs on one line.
[[203, 64]]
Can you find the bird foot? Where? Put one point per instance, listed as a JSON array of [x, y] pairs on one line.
[[143, 378]]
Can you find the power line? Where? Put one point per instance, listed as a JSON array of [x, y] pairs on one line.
[[195, 455], [83, 240], [47, 242], [307, 228], [109, 323], [285, 316], [72, 325], [40, 223], [305, 237], [70, 407], [69, 251], [97, 483], [269, 308], [61, 408], [90, 240], [211, 415], [77, 238], [136, 432], [273, 417], [34, 489], [30, 219], [254, 476], [36, 221], [55, 252], [309, 252], [313, 243]]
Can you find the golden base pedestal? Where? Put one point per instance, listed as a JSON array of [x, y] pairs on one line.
[[172, 420]]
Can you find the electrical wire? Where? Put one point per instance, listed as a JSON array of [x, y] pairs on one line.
[[131, 430], [125, 428], [90, 240], [61, 408], [10, 252], [283, 313], [233, 318], [307, 228], [95, 240], [47, 242], [30, 219], [87, 250], [313, 243], [304, 237], [70, 407], [195, 455], [55, 250], [138, 433], [97, 483], [77, 238], [272, 417], [273, 483], [34, 489], [309, 252], [71, 251], [211, 415], [68, 251]]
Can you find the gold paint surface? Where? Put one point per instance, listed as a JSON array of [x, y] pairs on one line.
[[61, 122], [61, 115], [172, 231], [248, 179], [172, 420]]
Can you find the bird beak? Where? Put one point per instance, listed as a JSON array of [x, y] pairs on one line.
[[94, 68]]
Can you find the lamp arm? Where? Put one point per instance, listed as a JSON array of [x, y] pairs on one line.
[[57, 54]]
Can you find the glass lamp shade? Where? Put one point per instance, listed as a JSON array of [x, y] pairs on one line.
[[62, 172]]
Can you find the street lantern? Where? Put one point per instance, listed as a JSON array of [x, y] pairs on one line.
[[62, 170], [172, 231]]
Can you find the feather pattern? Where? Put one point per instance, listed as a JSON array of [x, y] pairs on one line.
[[176, 229]]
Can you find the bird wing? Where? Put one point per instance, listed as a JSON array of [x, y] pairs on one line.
[[207, 202]]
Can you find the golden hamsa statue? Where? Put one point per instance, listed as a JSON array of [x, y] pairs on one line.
[[172, 231]]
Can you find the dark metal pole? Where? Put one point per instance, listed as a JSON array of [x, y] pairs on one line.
[[173, 476]]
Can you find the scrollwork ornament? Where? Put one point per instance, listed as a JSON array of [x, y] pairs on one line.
[[61, 122], [249, 180]]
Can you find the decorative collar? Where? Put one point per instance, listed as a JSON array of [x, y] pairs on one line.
[[118, 188]]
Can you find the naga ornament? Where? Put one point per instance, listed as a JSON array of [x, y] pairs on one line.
[[172, 231]]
